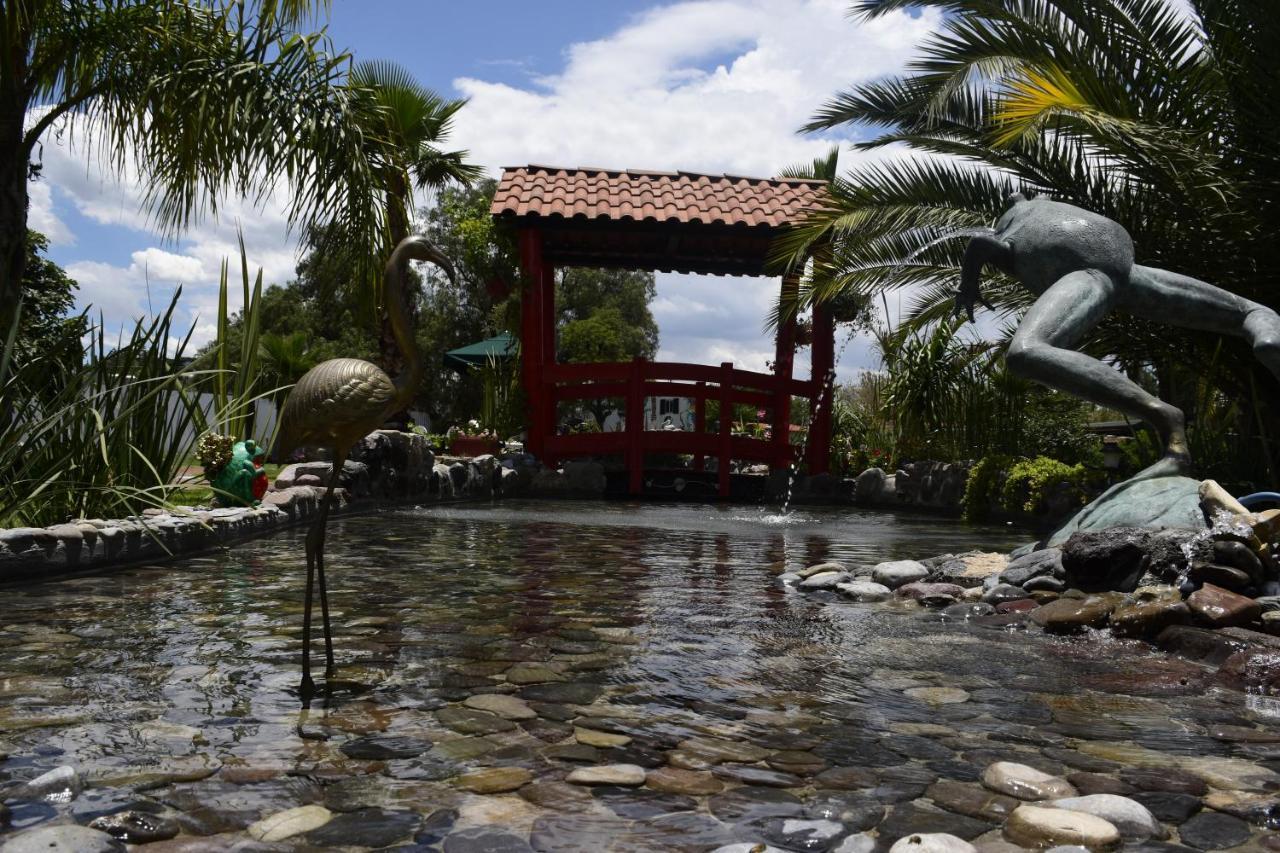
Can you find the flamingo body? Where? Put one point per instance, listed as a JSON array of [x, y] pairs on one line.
[[335, 404]]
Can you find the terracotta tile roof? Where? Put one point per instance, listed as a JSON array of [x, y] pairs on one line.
[[683, 197]]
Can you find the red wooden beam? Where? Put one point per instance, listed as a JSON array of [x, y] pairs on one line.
[[726, 425], [531, 334], [700, 424], [635, 429]]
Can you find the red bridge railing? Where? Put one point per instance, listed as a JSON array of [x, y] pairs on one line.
[[641, 379]]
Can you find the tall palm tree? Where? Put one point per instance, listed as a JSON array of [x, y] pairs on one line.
[[405, 123], [1160, 120], [208, 99]]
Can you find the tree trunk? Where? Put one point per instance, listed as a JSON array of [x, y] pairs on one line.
[[13, 207]]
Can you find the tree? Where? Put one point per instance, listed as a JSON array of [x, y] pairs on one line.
[[610, 304], [206, 99], [405, 122], [48, 328], [1126, 107]]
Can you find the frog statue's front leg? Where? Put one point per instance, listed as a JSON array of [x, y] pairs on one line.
[[982, 250]]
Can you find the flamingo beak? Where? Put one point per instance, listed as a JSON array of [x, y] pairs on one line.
[[438, 258]]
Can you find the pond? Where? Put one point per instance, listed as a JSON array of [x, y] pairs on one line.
[[563, 676]]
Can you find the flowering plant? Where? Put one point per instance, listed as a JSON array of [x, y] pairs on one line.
[[470, 430]]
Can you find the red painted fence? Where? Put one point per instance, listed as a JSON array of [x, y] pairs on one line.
[[640, 379]]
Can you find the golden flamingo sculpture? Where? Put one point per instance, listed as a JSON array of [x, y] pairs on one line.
[[340, 401]]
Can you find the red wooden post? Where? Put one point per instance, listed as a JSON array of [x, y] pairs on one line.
[[824, 355], [783, 363], [531, 335], [546, 412], [726, 426], [700, 424], [635, 427]]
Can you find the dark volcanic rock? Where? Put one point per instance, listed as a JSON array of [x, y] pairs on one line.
[[1047, 561], [1214, 831], [1169, 806], [366, 828], [1107, 560]]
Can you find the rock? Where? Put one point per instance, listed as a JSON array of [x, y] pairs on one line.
[[720, 749], [628, 775], [1199, 644], [1025, 783], [845, 778], [1168, 806], [1153, 503], [495, 780], [1227, 577], [136, 827], [60, 785], [968, 611], [1045, 583], [930, 594], [1231, 552], [932, 842], [1132, 818], [286, 824], [384, 747], [864, 591], [749, 775], [1096, 783], [938, 695], [1003, 592], [673, 780], [1036, 827], [971, 800], [61, 839], [1047, 561], [1148, 619], [1105, 561], [471, 722], [1074, 615], [869, 485], [507, 707], [374, 828], [1214, 831], [1216, 501], [822, 569], [747, 804], [1165, 779], [594, 737], [1222, 608], [824, 580], [1022, 605], [532, 673], [896, 573], [485, 839]]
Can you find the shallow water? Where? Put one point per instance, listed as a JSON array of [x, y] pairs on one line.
[[636, 627]]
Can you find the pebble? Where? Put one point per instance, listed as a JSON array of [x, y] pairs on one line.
[[864, 591], [938, 695], [825, 580], [932, 842], [820, 569], [629, 775], [1214, 831], [288, 823], [1003, 592], [507, 707], [594, 737], [136, 827], [532, 673], [721, 749], [1169, 806], [468, 721], [1073, 615], [971, 800], [673, 780], [1132, 818], [895, 573], [373, 828], [1025, 783], [495, 780], [59, 785], [384, 748], [484, 839], [749, 775], [1222, 608], [1033, 826], [62, 839]]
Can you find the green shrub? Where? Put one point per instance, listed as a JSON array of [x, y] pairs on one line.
[[981, 488], [1027, 487]]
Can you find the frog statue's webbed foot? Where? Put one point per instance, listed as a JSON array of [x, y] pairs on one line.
[[982, 250]]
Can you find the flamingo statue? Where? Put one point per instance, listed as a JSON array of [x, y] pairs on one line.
[[337, 403]]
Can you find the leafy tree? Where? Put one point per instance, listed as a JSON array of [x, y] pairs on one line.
[[208, 99], [1162, 122], [48, 294]]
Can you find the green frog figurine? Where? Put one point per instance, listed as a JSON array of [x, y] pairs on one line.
[[241, 480]]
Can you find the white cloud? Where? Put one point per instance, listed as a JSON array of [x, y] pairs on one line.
[[41, 217]]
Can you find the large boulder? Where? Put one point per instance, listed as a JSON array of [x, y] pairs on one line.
[[1153, 503], [1105, 561]]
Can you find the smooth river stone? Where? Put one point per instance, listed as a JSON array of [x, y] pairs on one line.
[[532, 673], [1222, 608], [1025, 783], [1132, 818], [495, 780], [825, 580], [724, 750], [628, 775], [62, 839], [1214, 831], [136, 827], [286, 824], [895, 573], [820, 569], [1036, 827], [864, 591], [384, 748], [366, 828], [748, 775], [673, 780], [468, 721], [507, 707], [592, 737], [971, 800], [1074, 615], [932, 842], [938, 695]]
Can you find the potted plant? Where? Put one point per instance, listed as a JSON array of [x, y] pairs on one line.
[[471, 440]]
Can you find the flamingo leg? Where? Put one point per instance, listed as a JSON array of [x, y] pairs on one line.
[[308, 687], [338, 461]]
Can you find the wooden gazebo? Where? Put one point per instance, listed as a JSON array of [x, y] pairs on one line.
[[661, 221]]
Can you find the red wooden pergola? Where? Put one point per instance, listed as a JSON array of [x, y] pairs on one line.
[[661, 221]]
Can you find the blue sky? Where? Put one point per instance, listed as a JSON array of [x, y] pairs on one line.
[[704, 85]]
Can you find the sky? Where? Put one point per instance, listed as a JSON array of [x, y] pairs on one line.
[[718, 86]]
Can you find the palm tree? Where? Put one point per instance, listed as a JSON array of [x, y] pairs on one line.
[[284, 360], [208, 99], [405, 123], [1159, 120]]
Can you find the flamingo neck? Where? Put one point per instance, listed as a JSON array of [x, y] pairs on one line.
[[409, 379]]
